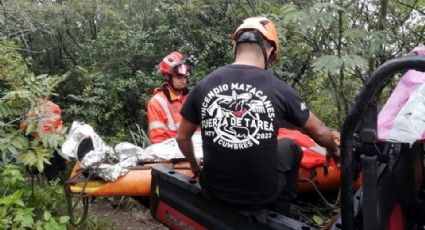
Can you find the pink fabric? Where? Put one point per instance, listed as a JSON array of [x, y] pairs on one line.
[[420, 50], [407, 85]]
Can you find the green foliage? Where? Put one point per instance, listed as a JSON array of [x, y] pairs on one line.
[[12, 144], [112, 48], [333, 64], [19, 211], [27, 144], [98, 61], [12, 67], [9, 109], [35, 157]]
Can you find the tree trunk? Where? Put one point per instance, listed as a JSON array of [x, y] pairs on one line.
[[341, 86], [383, 9]]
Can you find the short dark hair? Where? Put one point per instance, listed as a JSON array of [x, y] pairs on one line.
[[242, 47]]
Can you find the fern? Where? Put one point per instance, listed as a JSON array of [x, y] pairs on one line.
[[43, 85], [12, 145], [7, 111], [18, 94], [37, 157]]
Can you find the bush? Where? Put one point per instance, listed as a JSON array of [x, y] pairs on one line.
[[25, 205]]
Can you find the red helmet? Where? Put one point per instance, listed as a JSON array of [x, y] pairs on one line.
[[174, 64]]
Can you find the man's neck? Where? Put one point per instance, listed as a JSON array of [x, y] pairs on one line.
[[177, 93], [249, 59], [174, 94]]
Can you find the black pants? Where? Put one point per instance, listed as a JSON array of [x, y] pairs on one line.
[[57, 164], [289, 159]]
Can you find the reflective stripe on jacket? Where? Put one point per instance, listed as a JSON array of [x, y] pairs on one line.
[[164, 116]]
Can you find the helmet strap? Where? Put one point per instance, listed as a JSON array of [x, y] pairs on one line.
[[169, 81], [166, 90], [254, 37]]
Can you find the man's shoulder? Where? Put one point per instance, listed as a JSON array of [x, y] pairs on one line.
[[277, 82], [157, 94], [217, 71], [213, 74], [238, 67], [157, 90], [221, 71]]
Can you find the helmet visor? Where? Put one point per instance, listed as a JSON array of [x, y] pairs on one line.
[[183, 69]]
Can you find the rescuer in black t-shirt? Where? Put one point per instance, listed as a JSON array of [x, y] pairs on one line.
[[239, 108]]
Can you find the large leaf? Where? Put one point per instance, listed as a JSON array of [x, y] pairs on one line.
[[13, 175], [14, 199], [318, 220], [64, 219], [23, 217], [28, 158], [36, 157], [20, 142], [47, 216]]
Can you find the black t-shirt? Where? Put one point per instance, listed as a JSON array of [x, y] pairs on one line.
[[240, 109]]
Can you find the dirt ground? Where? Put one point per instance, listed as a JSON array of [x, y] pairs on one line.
[[123, 214]]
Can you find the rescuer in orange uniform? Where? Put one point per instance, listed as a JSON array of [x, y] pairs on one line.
[[164, 107]]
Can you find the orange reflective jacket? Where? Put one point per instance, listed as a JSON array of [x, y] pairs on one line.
[[164, 114], [313, 153]]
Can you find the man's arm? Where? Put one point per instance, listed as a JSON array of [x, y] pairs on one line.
[[184, 140], [320, 133]]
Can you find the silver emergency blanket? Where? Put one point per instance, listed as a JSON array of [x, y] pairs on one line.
[[110, 164], [103, 161], [114, 164], [169, 149], [77, 133]]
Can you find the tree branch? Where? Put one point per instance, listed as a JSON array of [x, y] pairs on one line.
[[410, 6]]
